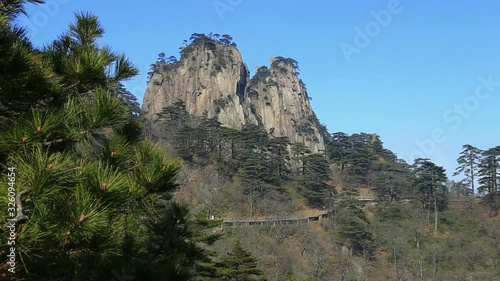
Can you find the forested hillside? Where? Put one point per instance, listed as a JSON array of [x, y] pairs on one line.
[[415, 225], [93, 189]]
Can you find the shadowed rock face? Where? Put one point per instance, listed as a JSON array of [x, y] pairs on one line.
[[212, 79]]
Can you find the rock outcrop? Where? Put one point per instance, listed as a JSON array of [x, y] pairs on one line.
[[279, 101], [212, 79]]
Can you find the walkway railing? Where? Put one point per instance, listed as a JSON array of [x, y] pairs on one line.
[[280, 221], [318, 217]]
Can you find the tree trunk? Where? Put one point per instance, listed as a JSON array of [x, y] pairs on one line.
[[429, 213], [435, 261], [420, 264], [251, 206], [472, 176], [395, 259], [435, 217]]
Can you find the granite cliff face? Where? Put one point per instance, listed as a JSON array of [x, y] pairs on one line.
[[279, 101], [211, 78]]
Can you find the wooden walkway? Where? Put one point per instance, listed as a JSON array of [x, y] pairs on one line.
[[318, 217], [279, 221]]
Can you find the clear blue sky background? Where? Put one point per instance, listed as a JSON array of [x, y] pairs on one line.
[[414, 69]]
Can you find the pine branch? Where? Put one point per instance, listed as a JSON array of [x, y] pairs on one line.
[[133, 167], [65, 139], [71, 86]]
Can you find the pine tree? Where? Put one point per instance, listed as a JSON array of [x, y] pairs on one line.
[[355, 234], [489, 177], [172, 251], [392, 180], [206, 268], [173, 126], [229, 151], [359, 158], [314, 178], [11, 8], [468, 165], [279, 159], [254, 171], [81, 63], [84, 177], [299, 150], [351, 224], [239, 265], [253, 157], [458, 189], [489, 171], [26, 77], [337, 149], [431, 187]]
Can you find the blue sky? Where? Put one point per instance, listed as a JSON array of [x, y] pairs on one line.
[[409, 70]]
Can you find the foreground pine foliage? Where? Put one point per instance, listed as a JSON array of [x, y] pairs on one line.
[[93, 196]]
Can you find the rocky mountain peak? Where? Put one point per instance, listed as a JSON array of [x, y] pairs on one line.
[[212, 79]]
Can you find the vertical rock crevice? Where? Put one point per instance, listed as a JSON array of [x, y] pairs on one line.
[[242, 84]]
